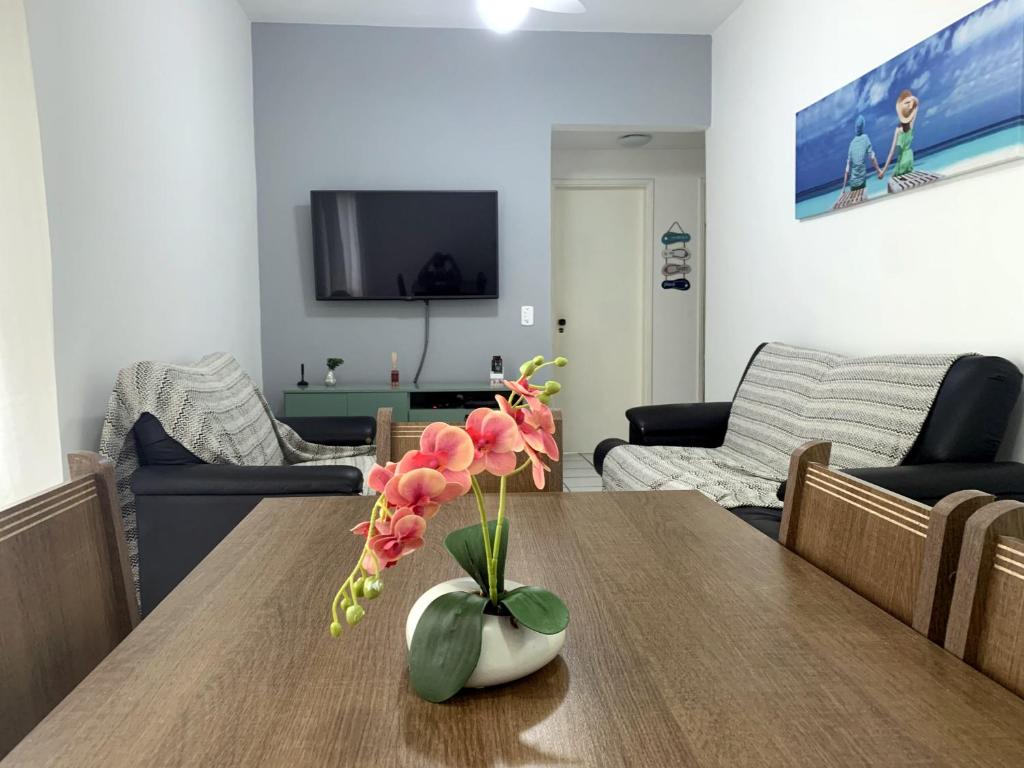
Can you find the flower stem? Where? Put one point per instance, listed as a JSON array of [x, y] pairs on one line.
[[519, 469], [483, 518], [359, 563], [492, 565]]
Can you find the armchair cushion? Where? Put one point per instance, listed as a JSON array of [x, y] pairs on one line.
[[156, 448], [334, 430], [231, 480], [968, 419], [766, 520], [602, 450], [698, 425]]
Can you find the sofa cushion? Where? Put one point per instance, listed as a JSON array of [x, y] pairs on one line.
[[767, 521], [156, 448], [871, 409], [969, 418], [213, 480]]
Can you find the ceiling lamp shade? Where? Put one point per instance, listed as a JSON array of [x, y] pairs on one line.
[[635, 140], [559, 6]]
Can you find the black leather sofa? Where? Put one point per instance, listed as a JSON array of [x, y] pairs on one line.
[[184, 507], [956, 449]]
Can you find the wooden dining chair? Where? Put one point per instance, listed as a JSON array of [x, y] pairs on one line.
[[899, 554], [986, 619], [66, 592], [396, 438]]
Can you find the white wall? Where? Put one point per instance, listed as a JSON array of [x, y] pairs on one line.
[[939, 269], [677, 175], [30, 457], [146, 113]]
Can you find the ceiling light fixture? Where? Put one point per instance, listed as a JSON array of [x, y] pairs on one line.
[[635, 140], [506, 15], [503, 15]]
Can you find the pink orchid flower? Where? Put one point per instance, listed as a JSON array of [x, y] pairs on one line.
[[396, 537], [362, 529], [527, 390], [537, 467], [418, 489], [380, 476], [536, 425], [447, 449], [496, 439]]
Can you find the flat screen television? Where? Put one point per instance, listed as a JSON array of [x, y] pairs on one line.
[[405, 245]]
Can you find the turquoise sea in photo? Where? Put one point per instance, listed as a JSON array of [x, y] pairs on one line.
[[979, 153]]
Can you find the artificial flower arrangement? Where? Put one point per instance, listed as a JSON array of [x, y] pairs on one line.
[[445, 644]]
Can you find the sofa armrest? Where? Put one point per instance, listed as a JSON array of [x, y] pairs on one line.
[[334, 430], [230, 480], [930, 483], [699, 425]]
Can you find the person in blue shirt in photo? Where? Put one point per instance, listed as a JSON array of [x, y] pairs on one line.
[[856, 174]]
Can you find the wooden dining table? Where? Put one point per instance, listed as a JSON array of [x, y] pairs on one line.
[[694, 640]]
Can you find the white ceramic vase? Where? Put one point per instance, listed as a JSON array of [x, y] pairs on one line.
[[507, 652], [329, 379]]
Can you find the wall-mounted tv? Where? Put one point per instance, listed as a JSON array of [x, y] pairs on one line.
[[405, 245]]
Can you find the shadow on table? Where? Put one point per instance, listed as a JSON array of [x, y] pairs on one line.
[[482, 727]]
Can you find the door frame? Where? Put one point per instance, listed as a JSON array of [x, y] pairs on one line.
[[647, 268]]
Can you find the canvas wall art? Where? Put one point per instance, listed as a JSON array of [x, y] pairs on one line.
[[949, 105]]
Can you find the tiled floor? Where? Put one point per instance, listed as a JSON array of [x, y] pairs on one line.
[[578, 473]]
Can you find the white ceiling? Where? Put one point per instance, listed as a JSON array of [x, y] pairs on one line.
[[668, 16], [609, 139]]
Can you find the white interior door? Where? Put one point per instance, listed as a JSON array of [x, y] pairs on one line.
[[598, 256]]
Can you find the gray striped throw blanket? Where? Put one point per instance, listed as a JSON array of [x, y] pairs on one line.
[[216, 411], [870, 408]]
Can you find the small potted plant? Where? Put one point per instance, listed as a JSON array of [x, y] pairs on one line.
[[479, 630], [332, 362]]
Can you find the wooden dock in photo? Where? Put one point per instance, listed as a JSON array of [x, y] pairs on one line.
[[911, 180], [849, 198]]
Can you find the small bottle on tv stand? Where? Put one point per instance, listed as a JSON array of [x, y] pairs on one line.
[[394, 369], [497, 371]]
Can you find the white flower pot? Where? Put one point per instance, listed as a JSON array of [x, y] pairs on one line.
[[507, 652], [330, 379]]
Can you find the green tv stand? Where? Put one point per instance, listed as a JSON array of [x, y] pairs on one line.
[[426, 402]]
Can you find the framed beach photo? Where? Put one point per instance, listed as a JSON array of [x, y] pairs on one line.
[[952, 104]]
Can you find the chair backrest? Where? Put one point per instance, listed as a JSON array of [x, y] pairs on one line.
[[899, 554], [986, 619], [66, 592], [395, 439]]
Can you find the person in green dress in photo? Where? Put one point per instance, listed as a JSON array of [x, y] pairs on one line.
[[906, 109]]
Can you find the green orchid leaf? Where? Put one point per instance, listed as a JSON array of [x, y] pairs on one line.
[[466, 545], [537, 609], [446, 645]]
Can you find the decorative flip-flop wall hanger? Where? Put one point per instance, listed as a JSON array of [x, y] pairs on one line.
[[677, 258]]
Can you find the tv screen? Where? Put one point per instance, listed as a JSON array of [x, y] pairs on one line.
[[405, 245]]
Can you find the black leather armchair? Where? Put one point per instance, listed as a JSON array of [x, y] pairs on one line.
[[184, 507], [956, 449]]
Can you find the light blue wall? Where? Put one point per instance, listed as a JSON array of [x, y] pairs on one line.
[[365, 108]]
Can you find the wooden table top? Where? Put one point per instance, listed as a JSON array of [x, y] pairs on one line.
[[694, 641]]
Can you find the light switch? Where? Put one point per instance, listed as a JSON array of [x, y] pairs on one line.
[[527, 316]]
